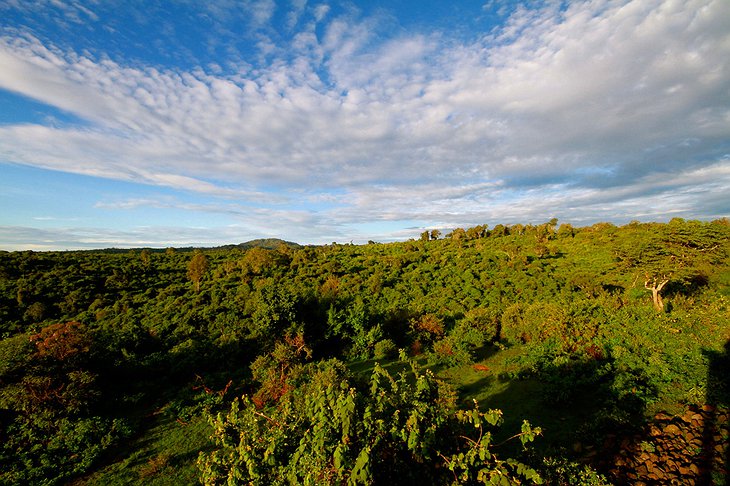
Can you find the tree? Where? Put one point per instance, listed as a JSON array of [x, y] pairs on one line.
[[274, 314], [676, 255], [657, 284], [499, 230], [566, 230], [61, 341], [457, 234], [197, 268], [275, 370], [475, 232], [259, 261], [145, 256]]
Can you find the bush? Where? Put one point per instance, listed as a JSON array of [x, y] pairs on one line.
[[394, 430], [513, 327], [562, 472], [385, 349], [485, 320]]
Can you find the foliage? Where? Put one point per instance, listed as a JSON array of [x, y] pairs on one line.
[[397, 430], [559, 471], [93, 343], [49, 428], [197, 268]]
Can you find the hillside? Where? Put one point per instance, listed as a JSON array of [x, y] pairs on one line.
[[114, 366], [267, 243]]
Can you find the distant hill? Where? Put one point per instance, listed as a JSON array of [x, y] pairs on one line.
[[268, 243]]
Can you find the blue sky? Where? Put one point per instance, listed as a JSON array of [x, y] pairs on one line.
[[151, 123]]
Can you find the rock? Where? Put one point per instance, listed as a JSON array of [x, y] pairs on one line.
[[708, 408], [671, 429], [654, 431], [662, 416]]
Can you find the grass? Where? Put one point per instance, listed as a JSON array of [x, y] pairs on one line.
[[164, 454], [521, 399]]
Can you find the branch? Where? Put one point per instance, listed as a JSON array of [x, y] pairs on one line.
[[469, 439], [456, 478], [510, 438], [223, 391], [664, 280], [268, 418]]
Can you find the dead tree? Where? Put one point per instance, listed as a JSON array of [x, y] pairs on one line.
[[656, 285]]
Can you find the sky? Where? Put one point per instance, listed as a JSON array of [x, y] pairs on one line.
[[149, 123]]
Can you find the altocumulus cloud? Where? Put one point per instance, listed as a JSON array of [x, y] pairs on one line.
[[598, 110]]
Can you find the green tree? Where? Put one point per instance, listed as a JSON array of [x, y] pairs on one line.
[[678, 254], [197, 268], [145, 256]]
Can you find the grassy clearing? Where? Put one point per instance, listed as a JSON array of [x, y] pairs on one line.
[[164, 454], [490, 384]]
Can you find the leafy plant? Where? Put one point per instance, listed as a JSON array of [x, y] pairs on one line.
[[330, 430]]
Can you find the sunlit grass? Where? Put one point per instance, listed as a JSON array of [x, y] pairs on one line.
[[164, 454]]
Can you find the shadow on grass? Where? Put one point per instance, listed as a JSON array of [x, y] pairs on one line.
[[577, 405], [715, 448]]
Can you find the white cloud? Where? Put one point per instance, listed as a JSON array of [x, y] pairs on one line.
[[622, 102], [80, 238], [61, 12], [321, 11]]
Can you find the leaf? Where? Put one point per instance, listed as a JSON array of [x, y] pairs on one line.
[[361, 471]]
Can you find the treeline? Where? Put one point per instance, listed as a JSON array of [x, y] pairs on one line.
[[90, 339]]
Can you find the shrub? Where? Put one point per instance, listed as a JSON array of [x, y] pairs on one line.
[[395, 430], [385, 349], [486, 320]]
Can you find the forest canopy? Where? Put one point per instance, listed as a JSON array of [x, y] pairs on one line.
[[463, 350]]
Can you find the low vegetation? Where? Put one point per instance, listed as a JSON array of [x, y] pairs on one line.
[[514, 354]]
